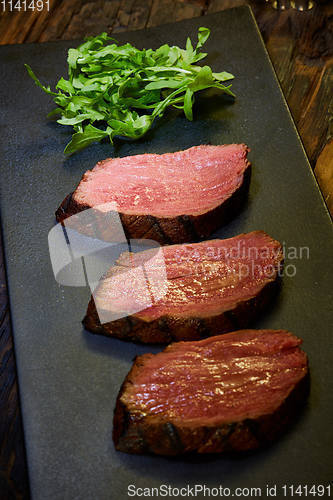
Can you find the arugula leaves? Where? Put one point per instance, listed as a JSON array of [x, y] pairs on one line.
[[119, 90]]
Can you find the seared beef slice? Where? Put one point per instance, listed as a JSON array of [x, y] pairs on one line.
[[169, 198], [231, 392], [210, 287]]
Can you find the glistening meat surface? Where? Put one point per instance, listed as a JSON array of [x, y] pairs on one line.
[[187, 182], [200, 388], [173, 197], [211, 286], [220, 379]]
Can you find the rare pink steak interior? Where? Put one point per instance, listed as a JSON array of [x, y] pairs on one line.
[[172, 197], [228, 392], [191, 291]]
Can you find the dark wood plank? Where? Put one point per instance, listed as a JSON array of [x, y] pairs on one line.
[[167, 11], [13, 472], [301, 49], [324, 173]]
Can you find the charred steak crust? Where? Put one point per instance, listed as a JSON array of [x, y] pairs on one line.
[[167, 230], [168, 329], [155, 434]]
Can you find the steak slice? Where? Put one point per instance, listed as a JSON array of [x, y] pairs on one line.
[[209, 288], [169, 198], [232, 392]]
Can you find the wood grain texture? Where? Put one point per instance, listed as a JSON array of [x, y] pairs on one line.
[[324, 173], [300, 45], [13, 472]]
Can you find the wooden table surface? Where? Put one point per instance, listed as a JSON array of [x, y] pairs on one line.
[[300, 45]]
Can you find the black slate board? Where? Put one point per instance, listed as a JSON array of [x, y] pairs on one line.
[[68, 378]]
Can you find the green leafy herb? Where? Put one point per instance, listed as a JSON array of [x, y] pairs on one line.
[[119, 90]]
